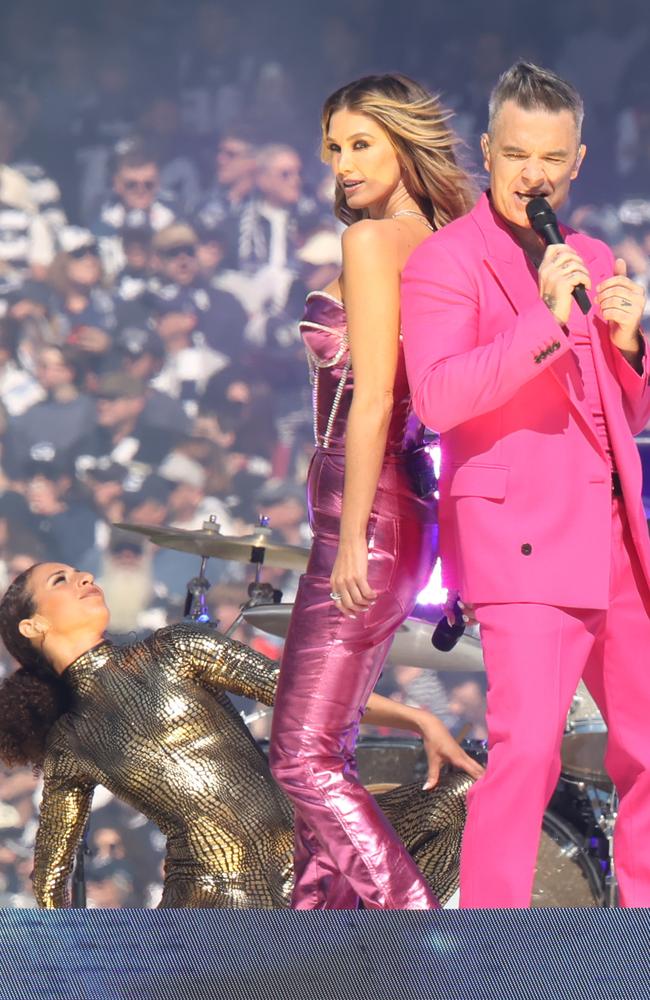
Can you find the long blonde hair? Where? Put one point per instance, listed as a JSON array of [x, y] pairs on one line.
[[416, 125]]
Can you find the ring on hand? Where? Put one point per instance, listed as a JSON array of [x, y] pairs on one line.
[[625, 302], [334, 596]]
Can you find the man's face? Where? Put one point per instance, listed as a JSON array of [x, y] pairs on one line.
[[234, 161], [52, 371], [530, 154], [280, 179], [179, 264], [113, 412], [137, 187]]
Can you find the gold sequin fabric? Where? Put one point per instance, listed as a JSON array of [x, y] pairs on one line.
[[431, 825], [152, 723]]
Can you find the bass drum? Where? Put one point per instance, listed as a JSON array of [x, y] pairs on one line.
[[566, 875]]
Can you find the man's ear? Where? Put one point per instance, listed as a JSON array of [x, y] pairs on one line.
[[582, 152], [32, 628], [485, 150]]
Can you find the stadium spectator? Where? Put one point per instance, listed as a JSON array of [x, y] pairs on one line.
[[119, 431], [235, 169], [136, 202], [55, 425]]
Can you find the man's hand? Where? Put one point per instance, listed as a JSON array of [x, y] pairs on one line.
[[559, 273], [449, 610], [622, 302]]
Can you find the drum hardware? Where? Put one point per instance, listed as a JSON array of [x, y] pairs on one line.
[[605, 818], [259, 548], [411, 645], [584, 742]]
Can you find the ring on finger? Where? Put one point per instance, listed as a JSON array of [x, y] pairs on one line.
[[334, 596]]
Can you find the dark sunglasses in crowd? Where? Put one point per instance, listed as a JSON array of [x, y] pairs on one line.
[[140, 185], [183, 249], [80, 252], [231, 153]]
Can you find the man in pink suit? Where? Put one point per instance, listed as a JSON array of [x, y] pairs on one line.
[[542, 526]]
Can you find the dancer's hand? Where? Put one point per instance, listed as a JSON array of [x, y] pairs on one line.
[[441, 748], [349, 579]]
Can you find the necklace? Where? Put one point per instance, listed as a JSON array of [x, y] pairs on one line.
[[418, 215]]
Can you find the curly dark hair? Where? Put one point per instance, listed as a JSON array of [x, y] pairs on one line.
[[33, 697]]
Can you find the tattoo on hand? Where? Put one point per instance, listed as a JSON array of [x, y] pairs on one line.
[[549, 300]]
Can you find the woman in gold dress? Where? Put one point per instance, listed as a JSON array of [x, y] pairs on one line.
[[152, 723]]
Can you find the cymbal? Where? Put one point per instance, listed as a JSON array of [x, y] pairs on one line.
[[411, 645], [258, 547]]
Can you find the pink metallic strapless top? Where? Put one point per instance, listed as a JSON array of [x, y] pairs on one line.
[[324, 332]]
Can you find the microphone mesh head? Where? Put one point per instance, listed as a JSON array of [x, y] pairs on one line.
[[539, 212]]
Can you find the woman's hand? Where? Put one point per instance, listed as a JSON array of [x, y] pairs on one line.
[[349, 579], [441, 748]]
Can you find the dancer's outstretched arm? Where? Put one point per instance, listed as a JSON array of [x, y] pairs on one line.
[[440, 746]]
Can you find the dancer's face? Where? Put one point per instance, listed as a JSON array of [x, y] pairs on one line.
[[530, 153], [66, 601], [363, 159]]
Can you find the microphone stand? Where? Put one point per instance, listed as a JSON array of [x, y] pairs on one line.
[[78, 888]]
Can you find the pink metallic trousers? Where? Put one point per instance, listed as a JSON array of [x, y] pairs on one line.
[[345, 849]]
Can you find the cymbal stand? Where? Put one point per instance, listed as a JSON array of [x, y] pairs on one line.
[[196, 600], [605, 816], [258, 592], [78, 885]]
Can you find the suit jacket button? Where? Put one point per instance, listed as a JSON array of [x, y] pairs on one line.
[[526, 549]]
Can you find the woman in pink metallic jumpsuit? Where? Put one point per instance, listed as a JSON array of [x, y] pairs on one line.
[[375, 537]]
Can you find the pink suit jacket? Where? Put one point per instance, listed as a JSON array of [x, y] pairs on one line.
[[525, 491]]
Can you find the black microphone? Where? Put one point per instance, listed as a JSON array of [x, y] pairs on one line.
[[544, 221], [445, 636]]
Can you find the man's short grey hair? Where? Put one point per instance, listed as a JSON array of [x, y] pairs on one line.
[[530, 87], [266, 154]]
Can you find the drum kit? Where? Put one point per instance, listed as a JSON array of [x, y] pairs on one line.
[[575, 861]]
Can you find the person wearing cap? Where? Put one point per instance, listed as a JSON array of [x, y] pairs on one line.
[[140, 352], [210, 251], [56, 423], [131, 283], [120, 430], [220, 318]]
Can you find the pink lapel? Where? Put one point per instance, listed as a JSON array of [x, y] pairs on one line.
[[515, 275]]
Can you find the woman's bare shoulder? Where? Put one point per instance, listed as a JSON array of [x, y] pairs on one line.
[[378, 237]]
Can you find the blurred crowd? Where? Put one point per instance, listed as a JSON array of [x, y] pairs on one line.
[[163, 212]]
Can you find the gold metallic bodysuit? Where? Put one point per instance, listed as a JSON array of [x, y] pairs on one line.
[[153, 724]]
